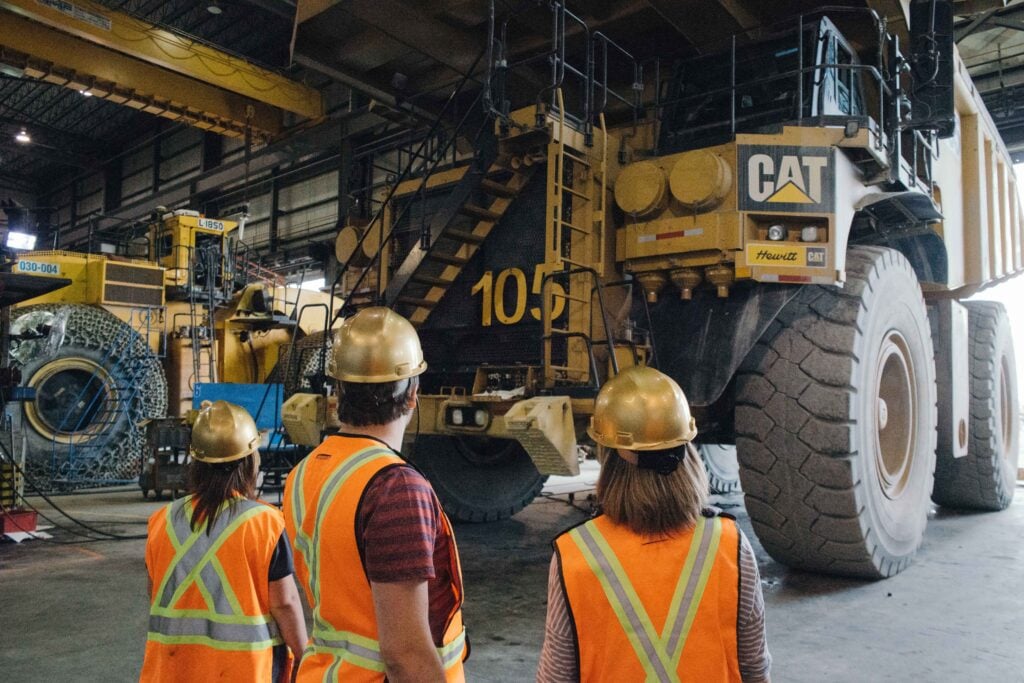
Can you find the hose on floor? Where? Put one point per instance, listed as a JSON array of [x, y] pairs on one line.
[[92, 531]]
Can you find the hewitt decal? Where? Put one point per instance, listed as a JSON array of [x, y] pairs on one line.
[[793, 256]]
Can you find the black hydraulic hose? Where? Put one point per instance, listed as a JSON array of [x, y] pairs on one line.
[[31, 482]]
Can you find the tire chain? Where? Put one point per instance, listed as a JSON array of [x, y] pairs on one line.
[[300, 363], [119, 455]]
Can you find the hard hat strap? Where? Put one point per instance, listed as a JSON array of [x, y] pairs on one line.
[[663, 462]]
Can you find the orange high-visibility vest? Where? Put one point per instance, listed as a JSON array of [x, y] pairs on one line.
[[321, 503], [209, 614], [655, 611]]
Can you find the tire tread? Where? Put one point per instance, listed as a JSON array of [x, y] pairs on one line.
[[794, 443]]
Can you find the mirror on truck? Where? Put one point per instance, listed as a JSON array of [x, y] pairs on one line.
[[931, 60]]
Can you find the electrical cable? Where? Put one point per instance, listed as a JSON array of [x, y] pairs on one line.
[[33, 534], [31, 482], [416, 436], [74, 532]]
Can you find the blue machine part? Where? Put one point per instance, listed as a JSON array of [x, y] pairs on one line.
[[263, 401]]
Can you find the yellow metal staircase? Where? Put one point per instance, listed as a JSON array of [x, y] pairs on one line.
[[455, 235]]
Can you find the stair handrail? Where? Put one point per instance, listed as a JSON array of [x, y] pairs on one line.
[[379, 216], [546, 307]]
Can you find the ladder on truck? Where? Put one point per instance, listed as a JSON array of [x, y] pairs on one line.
[[574, 253]]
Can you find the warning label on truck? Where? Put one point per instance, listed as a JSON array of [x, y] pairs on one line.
[[788, 179]]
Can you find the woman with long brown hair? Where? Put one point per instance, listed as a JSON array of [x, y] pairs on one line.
[[223, 603], [658, 586]]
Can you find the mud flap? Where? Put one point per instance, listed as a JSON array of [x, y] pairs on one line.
[[544, 426]]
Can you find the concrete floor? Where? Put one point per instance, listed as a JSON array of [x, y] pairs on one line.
[[78, 612]]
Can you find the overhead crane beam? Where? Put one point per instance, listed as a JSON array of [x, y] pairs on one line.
[[130, 62]]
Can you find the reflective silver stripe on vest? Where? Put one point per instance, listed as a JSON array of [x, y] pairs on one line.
[[452, 652], [197, 626], [298, 512], [326, 497], [449, 654], [674, 642], [651, 653], [348, 646], [658, 653], [222, 624], [200, 541]]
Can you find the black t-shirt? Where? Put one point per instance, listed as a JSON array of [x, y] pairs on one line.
[[281, 563], [281, 567]]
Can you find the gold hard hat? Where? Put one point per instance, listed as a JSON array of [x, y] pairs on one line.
[[642, 409], [376, 345], [223, 432]]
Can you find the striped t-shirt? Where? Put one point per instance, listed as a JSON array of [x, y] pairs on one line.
[[401, 538]]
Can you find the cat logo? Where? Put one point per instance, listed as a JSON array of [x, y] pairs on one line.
[[789, 179]]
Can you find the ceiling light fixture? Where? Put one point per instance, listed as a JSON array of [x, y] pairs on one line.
[[23, 137], [86, 92], [214, 9]]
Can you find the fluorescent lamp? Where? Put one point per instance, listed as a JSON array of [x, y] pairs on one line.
[[23, 137], [21, 240]]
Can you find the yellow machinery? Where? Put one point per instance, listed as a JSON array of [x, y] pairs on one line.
[[787, 228], [130, 338]]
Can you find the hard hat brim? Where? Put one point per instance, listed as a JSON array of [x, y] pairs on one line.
[[379, 379], [253, 447], [641, 446]]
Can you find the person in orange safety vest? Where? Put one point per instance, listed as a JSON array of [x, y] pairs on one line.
[[657, 587], [375, 554], [223, 603]]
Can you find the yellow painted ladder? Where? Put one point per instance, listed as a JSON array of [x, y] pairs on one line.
[[574, 250]]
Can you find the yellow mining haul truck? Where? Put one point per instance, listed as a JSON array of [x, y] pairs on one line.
[[790, 229], [129, 338]]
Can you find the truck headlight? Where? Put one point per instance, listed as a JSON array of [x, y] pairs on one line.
[[809, 233], [467, 417], [777, 233]]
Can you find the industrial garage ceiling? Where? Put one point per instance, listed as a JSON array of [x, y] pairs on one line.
[[412, 51], [73, 133]]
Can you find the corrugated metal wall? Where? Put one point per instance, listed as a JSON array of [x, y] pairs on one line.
[[296, 204], [305, 205]]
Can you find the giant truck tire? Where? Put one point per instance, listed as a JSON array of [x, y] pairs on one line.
[[835, 422], [478, 479], [97, 384], [985, 478], [722, 467]]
